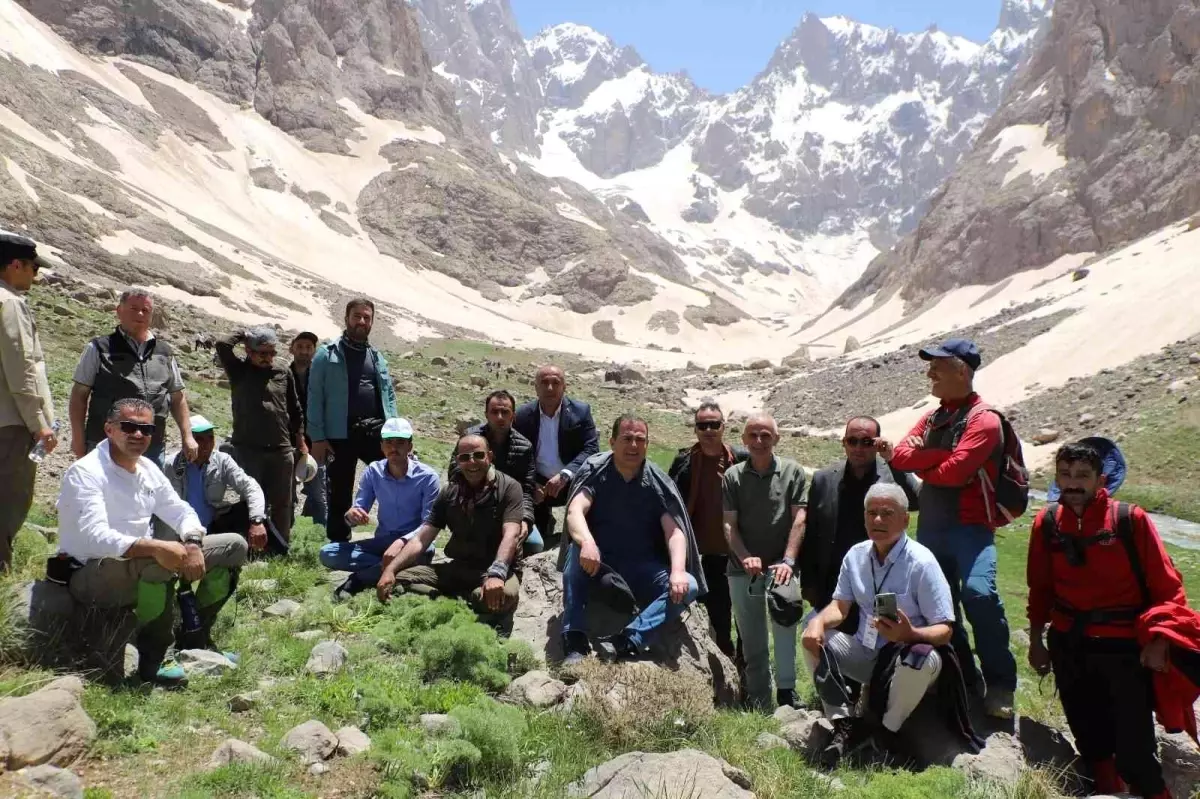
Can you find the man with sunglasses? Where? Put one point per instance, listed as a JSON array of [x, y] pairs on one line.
[[26, 407], [698, 471], [835, 500], [268, 419], [764, 514], [108, 499], [405, 489], [484, 510]]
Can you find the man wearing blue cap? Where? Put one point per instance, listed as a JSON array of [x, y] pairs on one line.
[[953, 450]]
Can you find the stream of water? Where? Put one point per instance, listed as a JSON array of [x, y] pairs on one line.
[[1179, 532]]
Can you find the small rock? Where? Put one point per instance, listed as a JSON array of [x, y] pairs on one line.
[[735, 775], [352, 741], [438, 360], [758, 364], [46, 726], [235, 751], [317, 769], [1045, 436], [851, 344], [283, 608], [1001, 760], [312, 740], [263, 586], [767, 740], [308, 635], [241, 703], [439, 724], [53, 780], [326, 657], [1194, 358], [1087, 418], [1178, 386], [536, 689], [1087, 393], [465, 422], [1020, 638], [203, 662], [479, 381]]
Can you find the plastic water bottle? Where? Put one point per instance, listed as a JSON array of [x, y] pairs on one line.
[[189, 610], [38, 453]]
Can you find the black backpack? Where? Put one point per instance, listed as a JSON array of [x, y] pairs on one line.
[[1075, 547]]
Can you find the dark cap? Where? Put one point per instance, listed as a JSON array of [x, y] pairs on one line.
[[307, 336], [960, 348], [14, 245]]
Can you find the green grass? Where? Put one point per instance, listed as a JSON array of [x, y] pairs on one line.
[[1164, 473]]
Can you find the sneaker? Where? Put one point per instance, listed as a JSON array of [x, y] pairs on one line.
[[170, 675], [575, 647], [613, 648], [347, 589], [786, 697], [849, 734], [998, 703]]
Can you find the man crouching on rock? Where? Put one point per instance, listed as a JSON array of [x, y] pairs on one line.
[[628, 526], [107, 499], [1123, 642]]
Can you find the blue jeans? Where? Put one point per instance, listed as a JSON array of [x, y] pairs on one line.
[[534, 543], [650, 582], [363, 558], [967, 555], [314, 498]]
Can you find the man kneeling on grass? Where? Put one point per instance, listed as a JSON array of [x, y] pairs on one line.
[[109, 559], [629, 528], [484, 508], [906, 617]]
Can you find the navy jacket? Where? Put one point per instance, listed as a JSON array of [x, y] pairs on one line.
[[577, 437]]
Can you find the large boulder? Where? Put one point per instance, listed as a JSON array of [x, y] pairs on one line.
[[685, 645], [638, 775], [46, 726], [65, 634], [1181, 763]]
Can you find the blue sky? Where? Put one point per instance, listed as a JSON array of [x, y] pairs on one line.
[[724, 43]]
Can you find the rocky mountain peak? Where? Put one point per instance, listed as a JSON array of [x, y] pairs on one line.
[[573, 60]]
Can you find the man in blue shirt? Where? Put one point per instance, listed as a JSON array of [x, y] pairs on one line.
[[405, 489], [888, 563]]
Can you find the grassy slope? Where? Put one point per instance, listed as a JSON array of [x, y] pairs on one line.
[[1164, 469]]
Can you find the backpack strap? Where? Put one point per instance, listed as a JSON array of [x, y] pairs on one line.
[[1125, 533], [1050, 523]]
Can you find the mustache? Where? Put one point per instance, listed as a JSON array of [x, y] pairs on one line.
[[1078, 491]]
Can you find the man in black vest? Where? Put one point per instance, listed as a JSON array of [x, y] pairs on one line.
[[835, 503], [129, 363], [563, 435]]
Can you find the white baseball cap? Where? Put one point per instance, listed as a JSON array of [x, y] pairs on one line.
[[396, 428], [201, 425]]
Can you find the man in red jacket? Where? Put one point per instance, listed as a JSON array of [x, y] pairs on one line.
[[950, 449], [1095, 567]]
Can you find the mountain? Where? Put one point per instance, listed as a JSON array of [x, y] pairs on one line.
[[1096, 145], [777, 195]]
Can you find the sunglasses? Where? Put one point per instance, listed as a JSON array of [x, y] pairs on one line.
[[859, 442], [709, 425], [466, 457], [129, 428]]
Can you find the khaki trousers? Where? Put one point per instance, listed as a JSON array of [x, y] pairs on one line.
[[460, 581], [17, 475], [274, 471]]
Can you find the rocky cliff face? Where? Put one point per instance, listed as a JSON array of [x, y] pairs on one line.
[[1095, 145]]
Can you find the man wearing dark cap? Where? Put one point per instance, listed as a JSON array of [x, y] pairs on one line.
[[303, 348], [267, 418], [26, 408], [953, 450]]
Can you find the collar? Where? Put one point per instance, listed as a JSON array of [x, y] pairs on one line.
[[1095, 513], [894, 555], [965, 402], [387, 473], [6, 288], [770, 469], [106, 459], [490, 480], [848, 475], [134, 342], [557, 412]]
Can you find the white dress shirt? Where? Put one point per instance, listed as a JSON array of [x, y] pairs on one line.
[[549, 463], [104, 509]]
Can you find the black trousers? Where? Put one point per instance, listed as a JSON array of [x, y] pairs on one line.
[[237, 520], [717, 601], [347, 453], [1108, 698]]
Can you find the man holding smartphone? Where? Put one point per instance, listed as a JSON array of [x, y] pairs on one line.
[[904, 599]]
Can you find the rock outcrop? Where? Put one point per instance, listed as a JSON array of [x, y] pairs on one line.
[[688, 772], [47, 726]]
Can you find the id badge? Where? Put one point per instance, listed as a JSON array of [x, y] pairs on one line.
[[870, 635]]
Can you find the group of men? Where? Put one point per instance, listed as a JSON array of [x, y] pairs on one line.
[[740, 528]]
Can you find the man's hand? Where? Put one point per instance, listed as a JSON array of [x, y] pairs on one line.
[[885, 448], [385, 586], [913, 442], [493, 594], [680, 583], [170, 555], [302, 447], [193, 563], [393, 551], [782, 573], [1039, 656], [539, 496], [589, 558], [190, 448], [752, 566], [1155, 655], [813, 637], [257, 537], [555, 485], [320, 452], [47, 439], [78, 444], [898, 632], [358, 516]]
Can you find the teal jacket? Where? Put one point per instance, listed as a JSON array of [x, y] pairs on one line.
[[329, 394]]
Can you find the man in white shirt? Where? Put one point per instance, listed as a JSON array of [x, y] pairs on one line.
[[105, 509]]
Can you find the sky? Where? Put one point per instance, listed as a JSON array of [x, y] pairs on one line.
[[723, 44]]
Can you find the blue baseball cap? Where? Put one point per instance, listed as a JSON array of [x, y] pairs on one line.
[[960, 348]]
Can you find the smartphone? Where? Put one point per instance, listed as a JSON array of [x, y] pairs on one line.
[[885, 607]]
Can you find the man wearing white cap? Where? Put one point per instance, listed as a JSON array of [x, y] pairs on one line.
[[405, 489], [205, 485]]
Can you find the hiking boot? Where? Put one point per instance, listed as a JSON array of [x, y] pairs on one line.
[[893, 746], [575, 647], [786, 697], [349, 587], [998, 703], [613, 648], [849, 734]]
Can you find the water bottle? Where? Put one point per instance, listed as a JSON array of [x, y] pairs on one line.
[[38, 453], [189, 611]]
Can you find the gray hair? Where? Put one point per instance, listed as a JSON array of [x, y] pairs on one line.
[[135, 292], [888, 491], [709, 404], [765, 418], [134, 404], [261, 336]]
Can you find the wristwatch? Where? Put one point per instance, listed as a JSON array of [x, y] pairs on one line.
[[193, 537], [789, 562], [258, 520]]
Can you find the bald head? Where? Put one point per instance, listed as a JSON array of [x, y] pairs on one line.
[[760, 435], [474, 457], [550, 384]]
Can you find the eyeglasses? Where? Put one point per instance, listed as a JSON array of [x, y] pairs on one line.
[[478, 456], [709, 425], [859, 442], [129, 428]]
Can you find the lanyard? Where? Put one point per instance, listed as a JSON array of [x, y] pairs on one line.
[[887, 571]]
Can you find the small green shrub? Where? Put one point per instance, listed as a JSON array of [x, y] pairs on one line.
[[453, 761], [408, 617], [14, 630], [467, 653], [263, 781], [497, 730]]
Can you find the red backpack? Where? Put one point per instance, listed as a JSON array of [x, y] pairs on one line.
[[1008, 499]]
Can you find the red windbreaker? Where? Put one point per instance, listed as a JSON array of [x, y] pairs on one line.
[[1174, 692], [959, 468]]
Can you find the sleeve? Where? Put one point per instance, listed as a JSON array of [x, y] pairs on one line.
[[88, 366], [933, 595], [246, 486], [81, 506], [1039, 576], [813, 538], [844, 591], [430, 494], [19, 367], [591, 440], [295, 409], [976, 447], [909, 459], [388, 389], [514, 502], [230, 362], [316, 396], [729, 492], [436, 517], [798, 492], [365, 498], [1162, 578], [177, 514], [676, 471]]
